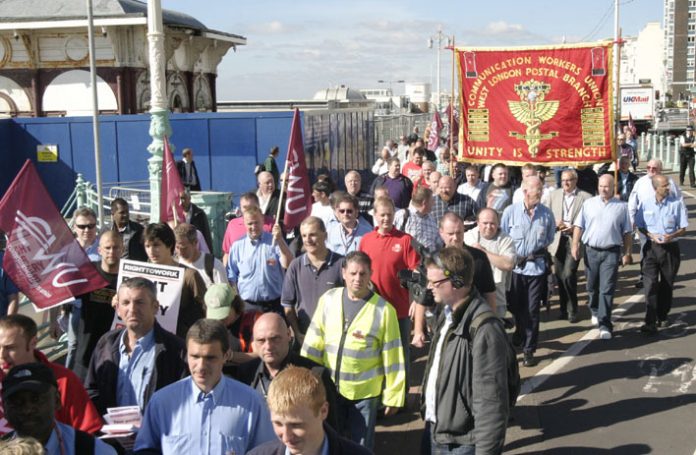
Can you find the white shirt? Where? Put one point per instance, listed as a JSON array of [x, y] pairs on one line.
[[431, 386], [471, 191], [219, 272], [325, 212]]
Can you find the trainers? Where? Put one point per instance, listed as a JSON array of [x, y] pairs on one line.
[[664, 324], [650, 329], [604, 334], [595, 321], [573, 318]]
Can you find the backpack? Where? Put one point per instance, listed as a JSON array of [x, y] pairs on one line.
[[208, 263], [513, 369]]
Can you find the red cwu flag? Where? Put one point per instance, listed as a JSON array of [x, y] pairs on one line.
[[453, 119], [435, 130], [171, 189], [42, 256], [298, 203]]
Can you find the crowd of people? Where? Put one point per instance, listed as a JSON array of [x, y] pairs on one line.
[[294, 342]]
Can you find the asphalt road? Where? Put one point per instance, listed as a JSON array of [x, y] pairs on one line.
[[632, 394]]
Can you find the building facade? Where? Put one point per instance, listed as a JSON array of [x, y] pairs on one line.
[[44, 58], [680, 48]]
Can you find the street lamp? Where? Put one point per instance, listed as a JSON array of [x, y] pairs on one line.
[[391, 93], [440, 38]]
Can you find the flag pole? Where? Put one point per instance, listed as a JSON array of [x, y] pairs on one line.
[[617, 85], [95, 114], [451, 119]]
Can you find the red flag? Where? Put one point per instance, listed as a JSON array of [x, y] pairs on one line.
[[298, 203], [435, 129], [171, 189], [42, 256]]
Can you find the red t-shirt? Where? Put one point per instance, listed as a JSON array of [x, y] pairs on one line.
[[390, 253], [77, 410]]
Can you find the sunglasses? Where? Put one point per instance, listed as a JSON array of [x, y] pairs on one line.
[[86, 226], [348, 211]]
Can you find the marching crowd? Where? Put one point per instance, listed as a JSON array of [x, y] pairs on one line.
[[294, 342]]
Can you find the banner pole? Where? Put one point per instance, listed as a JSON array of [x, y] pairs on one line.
[[451, 119]]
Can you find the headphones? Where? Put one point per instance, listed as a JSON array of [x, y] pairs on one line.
[[456, 280]]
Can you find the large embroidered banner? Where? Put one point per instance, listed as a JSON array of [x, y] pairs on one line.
[[547, 105]]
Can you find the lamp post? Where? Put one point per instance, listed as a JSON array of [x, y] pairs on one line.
[[391, 93], [159, 110], [439, 37]]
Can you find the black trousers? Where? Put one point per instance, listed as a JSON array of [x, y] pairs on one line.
[[686, 160], [566, 271], [660, 267]]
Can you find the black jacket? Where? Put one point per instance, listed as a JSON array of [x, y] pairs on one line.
[[102, 376], [337, 446], [471, 390], [254, 372], [133, 247], [181, 167], [200, 221]]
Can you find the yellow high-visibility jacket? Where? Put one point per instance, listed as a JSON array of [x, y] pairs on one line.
[[366, 358]]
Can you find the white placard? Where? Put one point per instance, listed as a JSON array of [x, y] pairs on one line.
[[169, 281]]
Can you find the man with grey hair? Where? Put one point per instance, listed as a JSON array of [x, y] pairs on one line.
[[565, 203], [353, 182], [531, 226], [643, 191], [130, 363]]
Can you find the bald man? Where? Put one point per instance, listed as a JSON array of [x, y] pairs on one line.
[[268, 194], [272, 341]]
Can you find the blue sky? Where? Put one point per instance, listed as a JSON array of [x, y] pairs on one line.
[[296, 47]]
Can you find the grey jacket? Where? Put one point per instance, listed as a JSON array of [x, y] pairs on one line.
[[472, 392]]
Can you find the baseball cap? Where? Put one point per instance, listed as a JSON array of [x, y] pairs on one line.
[[218, 301], [35, 377]]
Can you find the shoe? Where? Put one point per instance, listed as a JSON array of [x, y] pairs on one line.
[[563, 317], [649, 329], [604, 334], [664, 324], [639, 284], [529, 360], [572, 318], [595, 321]]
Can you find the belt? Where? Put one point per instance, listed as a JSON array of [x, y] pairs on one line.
[[266, 305], [610, 248]]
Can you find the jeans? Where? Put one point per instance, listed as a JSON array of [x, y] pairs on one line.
[[359, 418], [525, 297], [429, 446], [601, 267]]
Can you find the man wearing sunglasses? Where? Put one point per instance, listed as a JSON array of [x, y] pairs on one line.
[[345, 236]]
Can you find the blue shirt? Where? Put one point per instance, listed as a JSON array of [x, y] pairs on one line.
[[529, 234], [603, 224], [180, 419], [62, 442], [255, 266], [134, 371], [7, 288], [662, 218], [343, 243]]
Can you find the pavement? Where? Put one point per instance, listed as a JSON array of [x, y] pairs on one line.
[[632, 394]]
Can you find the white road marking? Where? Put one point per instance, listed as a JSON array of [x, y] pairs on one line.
[[533, 382]]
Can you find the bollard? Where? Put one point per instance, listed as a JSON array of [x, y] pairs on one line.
[[661, 148], [667, 162], [675, 155], [642, 153], [653, 148]]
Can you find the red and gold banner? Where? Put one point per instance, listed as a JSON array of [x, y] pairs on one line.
[[546, 105]]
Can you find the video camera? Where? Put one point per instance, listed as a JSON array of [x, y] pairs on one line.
[[416, 281]]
